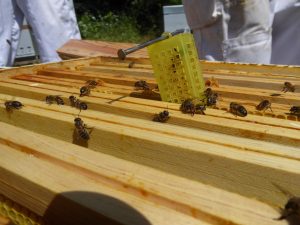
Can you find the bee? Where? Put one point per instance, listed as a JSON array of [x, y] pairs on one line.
[[50, 99], [211, 97], [264, 105], [91, 83], [141, 84], [200, 109], [291, 211], [77, 103], [288, 87], [295, 110], [85, 91], [81, 129], [189, 106], [162, 117], [237, 109], [10, 105], [212, 82], [131, 64], [208, 92]]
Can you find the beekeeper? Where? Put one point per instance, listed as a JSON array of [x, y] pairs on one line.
[[286, 33], [53, 23], [241, 30], [235, 31]]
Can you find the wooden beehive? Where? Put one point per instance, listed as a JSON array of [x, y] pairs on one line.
[[203, 169]]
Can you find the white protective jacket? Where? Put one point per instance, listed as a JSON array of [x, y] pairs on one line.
[[286, 33], [53, 23], [241, 30]]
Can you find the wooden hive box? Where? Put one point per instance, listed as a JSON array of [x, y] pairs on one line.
[[203, 169]]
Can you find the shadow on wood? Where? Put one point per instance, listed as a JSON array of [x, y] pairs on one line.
[[88, 208]]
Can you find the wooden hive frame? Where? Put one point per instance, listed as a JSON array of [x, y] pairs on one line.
[[237, 159]]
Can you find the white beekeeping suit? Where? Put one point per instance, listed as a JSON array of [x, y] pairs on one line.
[[286, 33], [231, 30], [53, 23], [241, 30]]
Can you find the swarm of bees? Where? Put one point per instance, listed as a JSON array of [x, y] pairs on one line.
[[86, 89], [161, 117], [142, 85], [80, 127], [50, 99], [11, 105], [192, 106]]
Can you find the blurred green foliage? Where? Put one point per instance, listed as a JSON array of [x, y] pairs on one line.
[[121, 20]]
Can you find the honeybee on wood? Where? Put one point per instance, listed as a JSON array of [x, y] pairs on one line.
[[295, 110], [81, 129], [200, 109], [212, 82], [74, 102], [238, 110], [162, 117], [85, 91], [11, 105], [287, 86], [211, 97], [141, 84], [264, 105], [190, 106], [92, 83], [131, 64], [50, 99], [291, 210]]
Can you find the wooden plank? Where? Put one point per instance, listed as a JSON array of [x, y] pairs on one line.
[[278, 110], [216, 121], [86, 48], [122, 64], [89, 48], [76, 199], [252, 69], [125, 108], [183, 200], [194, 159], [281, 104], [241, 92]]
